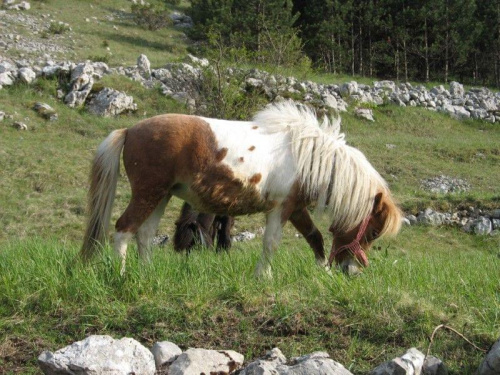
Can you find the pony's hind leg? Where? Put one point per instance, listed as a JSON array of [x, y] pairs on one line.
[[138, 210], [301, 220], [147, 230], [272, 238]]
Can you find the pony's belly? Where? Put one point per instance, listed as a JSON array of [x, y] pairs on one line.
[[223, 197]]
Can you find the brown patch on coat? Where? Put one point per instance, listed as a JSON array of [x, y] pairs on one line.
[[255, 179], [178, 154], [241, 159], [251, 148], [255, 127], [221, 154]]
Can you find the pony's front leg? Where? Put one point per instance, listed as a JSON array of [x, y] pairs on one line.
[[272, 238]]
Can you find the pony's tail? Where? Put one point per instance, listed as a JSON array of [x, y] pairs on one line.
[[103, 180]]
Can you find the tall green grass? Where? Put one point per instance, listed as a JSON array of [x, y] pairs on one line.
[[424, 278]]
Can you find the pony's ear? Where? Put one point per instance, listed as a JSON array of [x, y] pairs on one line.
[[377, 204]]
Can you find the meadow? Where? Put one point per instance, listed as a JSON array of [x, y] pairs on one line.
[[424, 277]]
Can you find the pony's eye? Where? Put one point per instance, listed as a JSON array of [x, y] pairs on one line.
[[375, 233]]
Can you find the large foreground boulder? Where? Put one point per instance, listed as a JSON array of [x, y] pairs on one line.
[[99, 355]]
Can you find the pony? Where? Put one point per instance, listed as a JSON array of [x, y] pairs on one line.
[[279, 163], [194, 228]]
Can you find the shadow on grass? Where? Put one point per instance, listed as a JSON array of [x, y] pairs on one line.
[[138, 41]]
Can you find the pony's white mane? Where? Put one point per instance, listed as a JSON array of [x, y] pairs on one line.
[[337, 176]]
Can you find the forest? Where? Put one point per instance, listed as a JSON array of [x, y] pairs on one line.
[[423, 40]]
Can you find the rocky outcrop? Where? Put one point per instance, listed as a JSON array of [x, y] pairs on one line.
[[183, 82], [82, 81]]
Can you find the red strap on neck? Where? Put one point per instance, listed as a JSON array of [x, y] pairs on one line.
[[354, 247]]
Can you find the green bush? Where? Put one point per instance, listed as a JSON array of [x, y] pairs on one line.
[[58, 28], [150, 16]]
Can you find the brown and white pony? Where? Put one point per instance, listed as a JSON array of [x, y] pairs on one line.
[[193, 227], [278, 163]]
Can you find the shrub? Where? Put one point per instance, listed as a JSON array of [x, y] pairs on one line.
[[151, 17], [58, 28]]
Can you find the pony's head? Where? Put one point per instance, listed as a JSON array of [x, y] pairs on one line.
[[349, 247]]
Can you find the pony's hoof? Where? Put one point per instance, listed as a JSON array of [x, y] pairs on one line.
[[322, 262], [263, 273]]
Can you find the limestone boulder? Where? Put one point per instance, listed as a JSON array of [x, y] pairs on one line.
[[109, 102], [98, 355]]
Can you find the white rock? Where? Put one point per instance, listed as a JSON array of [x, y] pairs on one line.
[[365, 113], [197, 361], [165, 352], [349, 88], [6, 79], [243, 236], [99, 355], [456, 89], [408, 364], [27, 75], [330, 101], [317, 363], [20, 125], [144, 66], [110, 102]]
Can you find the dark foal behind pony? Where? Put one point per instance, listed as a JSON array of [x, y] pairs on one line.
[[278, 163], [194, 228]]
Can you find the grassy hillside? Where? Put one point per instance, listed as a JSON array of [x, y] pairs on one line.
[[424, 277]]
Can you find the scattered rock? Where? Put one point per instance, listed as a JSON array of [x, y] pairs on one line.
[[317, 363], [243, 236], [109, 102], [81, 84], [408, 364], [197, 361], [20, 125], [46, 111], [2, 115], [445, 185], [144, 66], [27, 75], [6, 79], [160, 240], [99, 355], [364, 113]]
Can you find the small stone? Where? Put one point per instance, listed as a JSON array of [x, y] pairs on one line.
[[408, 364], [20, 125], [243, 236], [46, 111], [365, 113]]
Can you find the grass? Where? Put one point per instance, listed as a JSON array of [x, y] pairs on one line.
[[424, 277], [427, 276], [213, 301]]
